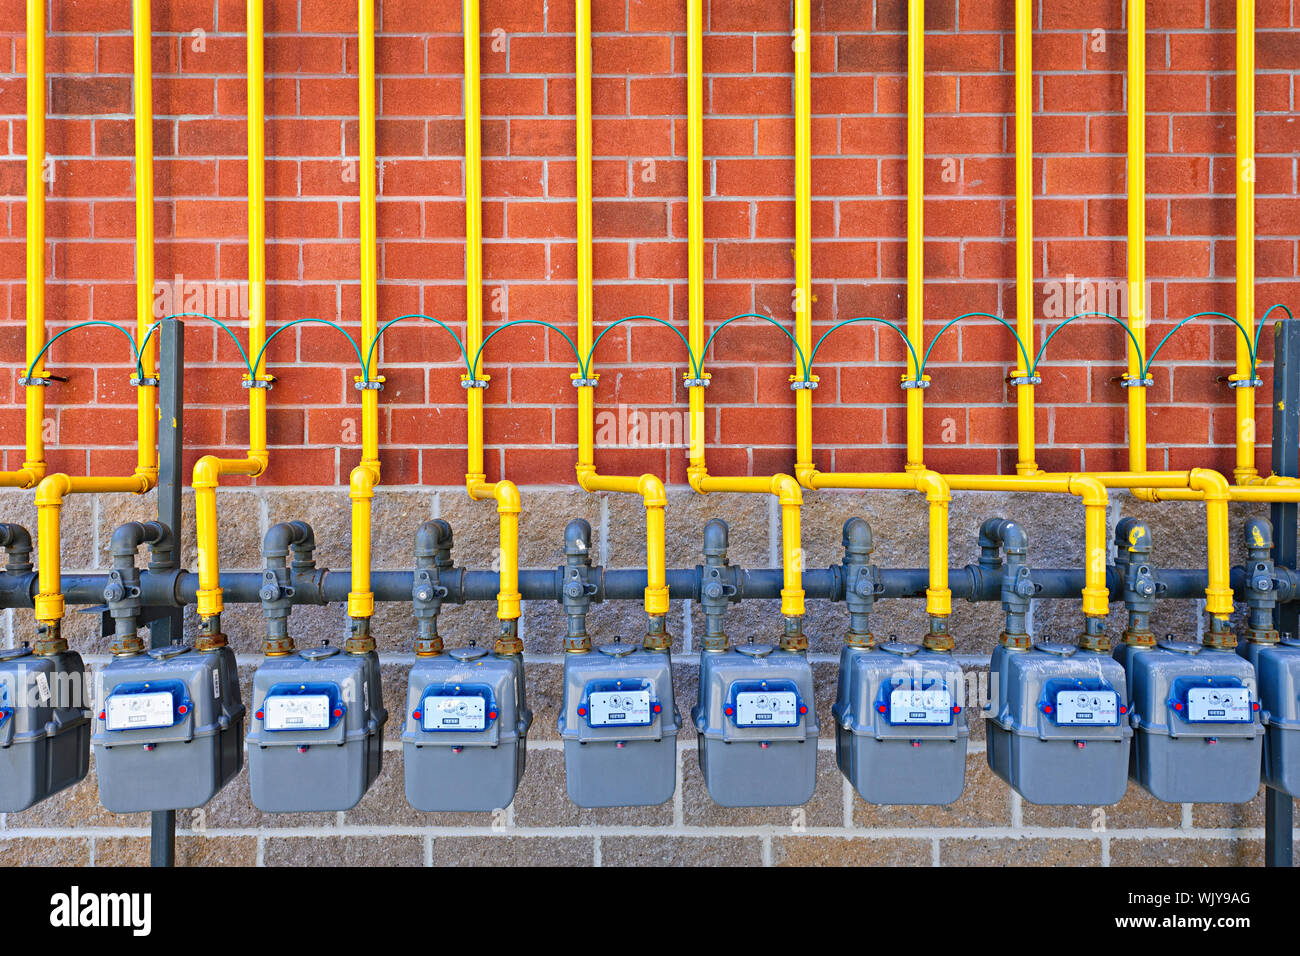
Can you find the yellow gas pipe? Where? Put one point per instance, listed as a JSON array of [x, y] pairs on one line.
[[52, 489], [649, 487], [1025, 462], [1137, 260], [1245, 472], [476, 484], [784, 487], [33, 469], [209, 469], [365, 476], [917, 476], [913, 381]]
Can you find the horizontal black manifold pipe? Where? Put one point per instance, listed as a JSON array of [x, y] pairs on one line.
[[971, 583]]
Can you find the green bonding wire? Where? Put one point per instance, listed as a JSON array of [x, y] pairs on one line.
[[311, 319], [201, 315], [1086, 315], [370, 354], [135, 353], [919, 365], [585, 367], [473, 369], [749, 315]]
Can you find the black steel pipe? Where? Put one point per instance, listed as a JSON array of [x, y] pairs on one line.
[[179, 588]]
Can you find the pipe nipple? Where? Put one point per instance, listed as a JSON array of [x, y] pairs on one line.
[[49, 640], [508, 642]]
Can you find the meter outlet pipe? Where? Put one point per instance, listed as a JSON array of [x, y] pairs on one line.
[[503, 492], [649, 487], [916, 476], [53, 488], [36, 379], [366, 475], [784, 487], [209, 469]]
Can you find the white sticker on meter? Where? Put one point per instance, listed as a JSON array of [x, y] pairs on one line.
[[297, 712], [131, 711], [613, 708], [908, 706], [454, 713], [767, 708], [1087, 707], [1219, 704]]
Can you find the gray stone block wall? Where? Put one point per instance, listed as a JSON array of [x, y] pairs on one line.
[[989, 825]]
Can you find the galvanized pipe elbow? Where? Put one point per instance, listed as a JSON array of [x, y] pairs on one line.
[[17, 542]]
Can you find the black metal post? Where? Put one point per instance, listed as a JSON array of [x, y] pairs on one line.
[[1278, 809], [168, 627]]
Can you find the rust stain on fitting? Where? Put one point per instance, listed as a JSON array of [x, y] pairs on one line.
[[428, 647], [214, 640], [1019, 641], [359, 645], [1139, 638], [127, 647], [854, 639], [507, 645], [1095, 642], [278, 646], [49, 641], [938, 641]]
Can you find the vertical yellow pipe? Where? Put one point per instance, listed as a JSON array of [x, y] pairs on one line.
[[146, 395], [695, 225], [1137, 256], [915, 229], [361, 600], [1025, 463], [1245, 471], [650, 487], [256, 230], [803, 225], [33, 469], [476, 483], [784, 487], [209, 469]]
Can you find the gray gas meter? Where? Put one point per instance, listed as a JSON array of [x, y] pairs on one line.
[[900, 726], [1196, 716], [619, 725], [1277, 668], [757, 727], [169, 728], [316, 741], [44, 730], [1059, 729], [466, 730]]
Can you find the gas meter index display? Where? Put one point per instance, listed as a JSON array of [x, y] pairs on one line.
[[766, 703], [1082, 703], [619, 703], [456, 707], [146, 705], [289, 707], [913, 704]]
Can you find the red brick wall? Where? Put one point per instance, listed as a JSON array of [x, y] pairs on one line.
[[640, 176]]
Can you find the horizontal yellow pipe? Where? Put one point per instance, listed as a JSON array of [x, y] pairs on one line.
[[49, 505], [938, 597], [787, 491], [1096, 595], [1212, 488]]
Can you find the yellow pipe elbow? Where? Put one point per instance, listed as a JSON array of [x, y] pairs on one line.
[[1214, 488], [652, 492], [938, 596], [361, 489], [1096, 595], [207, 475], [790, 495], [508, 509], [49, 505]]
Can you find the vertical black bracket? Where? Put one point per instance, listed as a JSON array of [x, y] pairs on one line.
[[1278, 809], [168, 626]]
